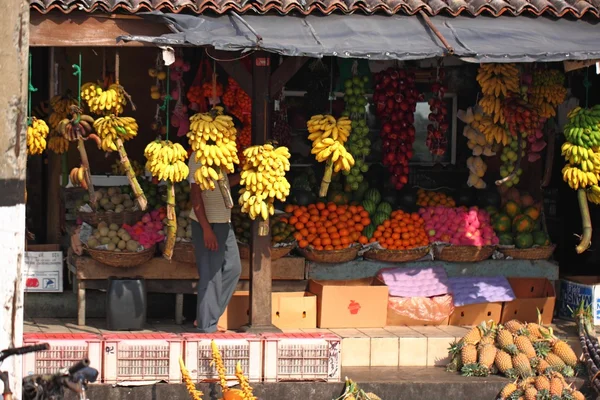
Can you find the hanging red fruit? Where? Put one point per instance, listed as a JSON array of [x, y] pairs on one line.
[[437, 140]]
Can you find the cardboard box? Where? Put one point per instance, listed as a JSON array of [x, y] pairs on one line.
[[350, 304], [574, 289], [532, 294], [474, 314], [290, 310], [43, 269]]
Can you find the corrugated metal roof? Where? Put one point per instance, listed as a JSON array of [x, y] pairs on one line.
[[556, 8]]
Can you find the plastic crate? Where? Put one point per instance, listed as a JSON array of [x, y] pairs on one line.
[[235, 347], [65, 350], [142, 357], [302, 357]]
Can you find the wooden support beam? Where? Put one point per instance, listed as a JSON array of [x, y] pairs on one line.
[[53, 214], [81, 29], [234, 68], [285, 72]]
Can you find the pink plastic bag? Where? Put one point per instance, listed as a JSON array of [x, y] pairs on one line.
[[426, 309]]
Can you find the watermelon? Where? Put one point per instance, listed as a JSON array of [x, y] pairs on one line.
[[506, 239], [368, 231], [370, 206], [540, 238], [522, 224], [379, 218], [359, 193], [502, 223], [512, 209], [385, 208], [524, 240], [373, 195]]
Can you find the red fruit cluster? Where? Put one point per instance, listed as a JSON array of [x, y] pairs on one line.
[[282, 133], [207, 90], [437, 141], [395, 99], [523, 120], [194, 94], [239, 104]]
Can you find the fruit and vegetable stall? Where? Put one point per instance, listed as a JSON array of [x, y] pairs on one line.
[[402, 167]]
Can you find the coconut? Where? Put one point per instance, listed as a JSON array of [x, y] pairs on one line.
[[111, 247], [113, 191], [102, 224], [112, 234], [119, 208], [105, 240], [121, 231], [132, 245], [122, 244], [103, 202], [113, 227], [116, 199], [128, 203], [93, 242], [103, 231], [126, 237], [115, 239], [97, 235], [109, 206]]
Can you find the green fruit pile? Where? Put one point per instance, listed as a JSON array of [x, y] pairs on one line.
[[509, 156], [354, 97], [520, 225], [281, 231]]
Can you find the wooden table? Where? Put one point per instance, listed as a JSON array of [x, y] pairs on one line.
[[163, 276]]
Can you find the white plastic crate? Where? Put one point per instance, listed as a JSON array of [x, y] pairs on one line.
[[302, 357], [244, 348], [65, 350], [142, 357]]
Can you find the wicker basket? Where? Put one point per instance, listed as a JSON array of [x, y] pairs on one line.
[[182, 252], [276, 252], [396, 256], [534, 253], [330, 256], [463, 253], [122, 259], [127, 217]]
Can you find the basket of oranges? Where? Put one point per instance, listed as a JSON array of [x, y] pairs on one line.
[[428, 198], [327, 232], [402, 238]]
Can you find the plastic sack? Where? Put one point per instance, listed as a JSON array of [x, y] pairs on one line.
[[426, 309]]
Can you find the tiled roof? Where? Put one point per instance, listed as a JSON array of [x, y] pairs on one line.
[[556, 8]]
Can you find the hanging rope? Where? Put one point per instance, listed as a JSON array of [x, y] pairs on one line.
[[587, 85], [31, 89], [168, 98], [77, 72]]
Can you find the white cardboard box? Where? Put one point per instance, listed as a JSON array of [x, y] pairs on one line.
[[43, 269], [574, 289]]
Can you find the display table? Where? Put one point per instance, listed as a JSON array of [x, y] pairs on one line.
[[163, 276]]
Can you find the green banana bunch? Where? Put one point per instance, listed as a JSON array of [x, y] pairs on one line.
[[583, 128]]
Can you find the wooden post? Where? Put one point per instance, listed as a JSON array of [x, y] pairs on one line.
[[53, 214], [14, 49]]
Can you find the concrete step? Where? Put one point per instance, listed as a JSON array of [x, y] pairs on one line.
[[404, 383]]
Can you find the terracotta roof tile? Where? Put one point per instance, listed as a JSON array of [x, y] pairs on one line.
[[556, 8]]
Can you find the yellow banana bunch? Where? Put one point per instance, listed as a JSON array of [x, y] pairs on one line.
[[37, 131], [166, 160], [326, 126], [263, 179], [61, 106], [58, 144], [54, 119], [77, 177], [494, 107], [547, 91], [209, 127], [593, 194], [100, 101], [329, 149], [581, 151], [587, 159], [492, 131], [577, 178], [111, 127], [498, 79]]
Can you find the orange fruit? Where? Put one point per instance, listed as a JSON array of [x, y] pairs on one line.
[[363, 240], [303, 244]]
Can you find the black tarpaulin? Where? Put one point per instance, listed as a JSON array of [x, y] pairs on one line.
[[378, 37]]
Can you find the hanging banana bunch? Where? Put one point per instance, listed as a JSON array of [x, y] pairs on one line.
[[263, 180], [102, 102], [328, 136], [37, 131]]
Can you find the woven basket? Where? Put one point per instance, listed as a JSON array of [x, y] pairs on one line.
[[463, 253], [330, 256], [534, 253], [122, 259], [182, 252], [127, 217], [396, 256], [276, 252]]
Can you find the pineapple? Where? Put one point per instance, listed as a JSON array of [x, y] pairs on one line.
[[372, 396], [473, 336], [541, 348], [487, 355], [556, 386], [542, 383], [503, 361], [555, 361], [524, 345], [455, 356], [542, 366], [521, 365], [530, 393], [565, 352], [544, 394], [577, 395], [568, 372], [534, 330], [513, 326], [508, 390], [504, 338], [468, 354], [488, 339]]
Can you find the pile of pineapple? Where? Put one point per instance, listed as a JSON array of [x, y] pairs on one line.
[[527, 353]]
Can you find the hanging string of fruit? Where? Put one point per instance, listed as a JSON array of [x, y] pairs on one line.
[[396, 98], [359, 144], [60, 106], [436, 140], [239, 104], [113, 129], [477, 143], [328, 137], [158, 92], [263, 180], [37, 130], [179, 116], [316, 98], [282, 132], [212, 136], [547, 91]]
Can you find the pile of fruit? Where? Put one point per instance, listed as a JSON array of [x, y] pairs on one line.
[[528, 352], [523, 120], [403, 231], [354, 97], [282, 233], [437, 141], [113, 199], [328, 226], [379, 211], [184, 226], [459, 226], [547, 91], [519, 224], [511, 169], [149, 230], [112, 238], [151, 190], [395, 97], [431, 198]]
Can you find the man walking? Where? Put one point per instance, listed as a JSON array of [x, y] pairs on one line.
[[217, 254]]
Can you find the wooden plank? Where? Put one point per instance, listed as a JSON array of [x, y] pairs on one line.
[[286, 268], [188, 286], [285, 72], [235, 69], [80, 29]]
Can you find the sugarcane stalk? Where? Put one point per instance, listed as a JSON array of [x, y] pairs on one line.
[[224, 188], [137, 189], [171, 221], [87, 176], [326, 178], [586, 222]]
